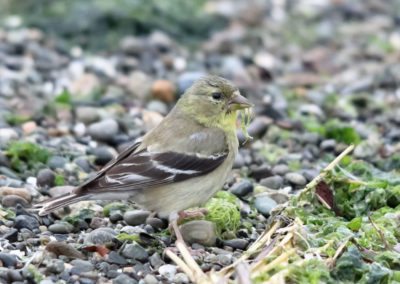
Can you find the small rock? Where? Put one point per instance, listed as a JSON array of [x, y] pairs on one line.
[[156, 223], [242, 188], [181, 278], [135, 251], [114, 257], [237, 243], [167, 271], [296, 179], [151, 119], [26, 222], [8, 260], [13, 200], [87, 114], [61, 248], [264, 204], [279, 197], [21, 192], [139, 84], [104, 130], [11, 235], [46, 177], [274, 182], [199, 231], [150, 279], [57, 162], [280, 169], [157, 106], [60, 190], [61, 228], [136, 217], [80, 266], [328, 145], [103, 155], [100, 236], [124, 279], [84, 164], [185, 80], [163, 90], [155, 260], [55, 266], [6, 135]]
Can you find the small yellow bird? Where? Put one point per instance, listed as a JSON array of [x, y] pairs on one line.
[[179, 164]]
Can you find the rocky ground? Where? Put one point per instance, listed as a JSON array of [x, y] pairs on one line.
[[322, 76]]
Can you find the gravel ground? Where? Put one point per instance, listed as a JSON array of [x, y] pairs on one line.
[[321, 77]]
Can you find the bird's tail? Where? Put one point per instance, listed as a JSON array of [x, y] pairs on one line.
[[47, 206]]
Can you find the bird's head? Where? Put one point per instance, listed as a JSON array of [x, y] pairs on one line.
[[213, 100]]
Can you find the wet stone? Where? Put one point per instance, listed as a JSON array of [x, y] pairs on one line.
[[27, 222], [135, 251], [264, 204], [242, 188], [296, 179], [46, 177], [273, 182], [136, 217]]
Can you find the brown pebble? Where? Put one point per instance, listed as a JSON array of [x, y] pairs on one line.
[[61, 248], [21, 192], [13, 200], [163, 90]]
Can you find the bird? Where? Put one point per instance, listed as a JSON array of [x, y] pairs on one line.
[[179, 164]]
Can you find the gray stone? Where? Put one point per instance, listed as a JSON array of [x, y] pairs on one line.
[[100, 236], [84, 164], [46, 177], [181, 278], [124, 279], [102, 155], [26, 222], [150, 279], [8, 260], [199, 231], [104, 130], [328, 145], [274, 182], [6, 135], [264, 204], [280, 169], [61, 228], [157, 106], [136, 217], [155, 260], [135, 251], [13, 200], [242, 188], [167, 271], [60, 190], [87, 114], [55, 266], [114, 257], [81, 266], [237, 243], [57, 162], [296, 178]]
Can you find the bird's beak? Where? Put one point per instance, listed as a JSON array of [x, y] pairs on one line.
[[238, 102]]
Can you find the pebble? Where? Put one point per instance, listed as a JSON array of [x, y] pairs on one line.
[[199, 231], [84, 164], [124, 279], [136, 217], [135, 251], [61, 228], [80, 266], [104, 130], [280, 169], [86, 114], [46, 177], [328, 145], [155, 260], [102, 155], [61, 248], [157, 106], [7, 135], [186, 79], [100, 236], [150, 279], [181, 278], [156, 223], [164, 91], [264, 204], [21, 192], [237, 243], [26, 222], [242, 188], [114, 257], [55, 266], [13, 200], [60, 190], [273, 182], [57, 162], [8, 260], [296, 178], [167, 271]]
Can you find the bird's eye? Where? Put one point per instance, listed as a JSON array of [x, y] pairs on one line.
[[217, 96]]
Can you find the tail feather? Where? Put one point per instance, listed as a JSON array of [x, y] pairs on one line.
[[49, 205]]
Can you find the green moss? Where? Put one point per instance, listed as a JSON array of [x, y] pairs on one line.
[[312, 271], [223, 210], [16, 119], [59, 180], [127, 237], [26, 155]]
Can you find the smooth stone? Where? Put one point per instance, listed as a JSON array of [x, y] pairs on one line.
[[61, 228], [104, 130], [80, 266], [13, 200], [167, 271], [274, 182], [328, 145], [100, 236], [21, 192], [84, 164], [199, 231], [157, 106], [124, 279], [156, 223], [150, 279], [181, 278], [11, 235], [164, 91], [7, 135], [102, 155], [237, 243], [57, 162], [186, 79], [56, 266], [296, 178], [15, 276], [114, 257], [46, 177], [26, 222], [264, 204], [62, 248], [87, 114], [8, 260], [242, 188], [279, 197], [60, 190], [155, 260], [136, 217], [116, 216], [135, 251], [280, 169]]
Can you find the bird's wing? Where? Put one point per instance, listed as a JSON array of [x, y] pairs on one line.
[[144, 169]]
